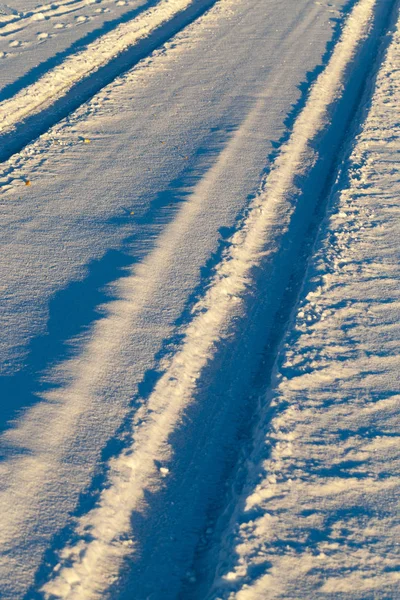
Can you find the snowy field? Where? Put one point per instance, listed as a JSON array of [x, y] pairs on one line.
[[200, 292]]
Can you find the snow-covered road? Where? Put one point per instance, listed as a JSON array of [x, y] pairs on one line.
[[319, 517], [147, 244]]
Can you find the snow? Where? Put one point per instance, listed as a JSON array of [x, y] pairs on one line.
[[23, 21], [59, 229], [75, 215], [319, 514], [78, 65], [159, 224], [92, 565]]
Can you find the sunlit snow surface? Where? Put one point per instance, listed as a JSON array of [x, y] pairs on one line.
[[131, 235], [60, 79], [34, 35], [320, 515], [177, 148]]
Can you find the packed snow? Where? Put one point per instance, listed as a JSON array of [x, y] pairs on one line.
[[90, 563], [149, 240], [320, 514], [34, 36], [78, 65]]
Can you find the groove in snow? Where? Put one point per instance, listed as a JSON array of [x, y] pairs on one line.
[[77, 66], [87, 568]]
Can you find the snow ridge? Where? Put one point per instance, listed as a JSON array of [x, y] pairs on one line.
[[319, 514], [59, 80], [40, 13], [88, 567]]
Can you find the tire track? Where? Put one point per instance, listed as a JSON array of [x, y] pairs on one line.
[[37, 107], [103, 536], [331, 397], [42, 13]]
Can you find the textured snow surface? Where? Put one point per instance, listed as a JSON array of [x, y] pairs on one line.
[[33, 35], [135, 471], [320, 516], [146, 243], [76, 66], [177, 147]]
